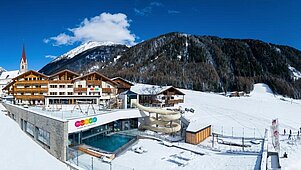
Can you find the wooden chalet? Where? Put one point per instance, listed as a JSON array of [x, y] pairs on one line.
[[123, 85], [29, 87]]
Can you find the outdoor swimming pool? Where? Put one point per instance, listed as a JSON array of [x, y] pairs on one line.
[[108, 143]]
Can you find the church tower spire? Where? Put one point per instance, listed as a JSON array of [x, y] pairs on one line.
[[23, 63]]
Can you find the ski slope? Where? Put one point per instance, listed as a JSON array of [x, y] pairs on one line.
[[256, 111]]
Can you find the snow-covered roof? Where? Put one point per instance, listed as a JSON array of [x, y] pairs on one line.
[[9, 74], [197, 125], [128, 92], [147, 89], [120, 78]]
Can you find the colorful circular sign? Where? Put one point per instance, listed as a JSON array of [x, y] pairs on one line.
[[94, 89], [85, 122]]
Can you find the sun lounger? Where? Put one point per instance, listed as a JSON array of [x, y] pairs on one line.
[[177, 161], [138, 150], [143, 149]]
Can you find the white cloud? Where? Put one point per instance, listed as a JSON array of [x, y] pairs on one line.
[[156, 4], [173, 12], [50, 56], [103, 28], [148, 9]]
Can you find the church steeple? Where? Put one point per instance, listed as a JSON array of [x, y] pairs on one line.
[[23, 63]]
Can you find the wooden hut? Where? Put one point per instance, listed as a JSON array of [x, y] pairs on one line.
[[196, 133]]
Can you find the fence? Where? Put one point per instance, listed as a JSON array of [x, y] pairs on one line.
[[264, 156], [237, 132], [152, 135], [89, 162]]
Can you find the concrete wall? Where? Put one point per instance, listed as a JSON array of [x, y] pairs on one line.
[[58, 129]]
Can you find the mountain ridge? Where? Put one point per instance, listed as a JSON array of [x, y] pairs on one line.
[[206, 63]]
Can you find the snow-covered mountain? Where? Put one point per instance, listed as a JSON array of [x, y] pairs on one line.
[[86, 57], [205, 63], [86, 46], [295, 73], [2, 70]]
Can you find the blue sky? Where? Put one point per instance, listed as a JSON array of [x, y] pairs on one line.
[[53, 27]]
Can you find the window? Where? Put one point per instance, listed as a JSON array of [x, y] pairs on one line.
[[43, 136], [53, 93], [70, 93], [80, 93], [22, 124], [70, 86], [53, 86], [80, 86], [62, 93], [29, 128], [62, 86]]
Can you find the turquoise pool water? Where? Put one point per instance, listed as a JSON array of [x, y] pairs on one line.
[[108, 143]]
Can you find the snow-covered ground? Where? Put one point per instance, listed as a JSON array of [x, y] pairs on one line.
[[246, 117], [19, 152], [240, 117], [236, 116]]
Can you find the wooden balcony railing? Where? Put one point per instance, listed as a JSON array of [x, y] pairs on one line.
[[107, 90], [30, 90], [60, 81], [79, 89], [174, 101], [30, 97], [94, 82], [32, 82]]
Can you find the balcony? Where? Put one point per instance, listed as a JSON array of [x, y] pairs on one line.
[[107, 90], [174, 101], [30, 82], [60, 81], [30, 90], [94, 82], [30, 97], [79, 89]]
